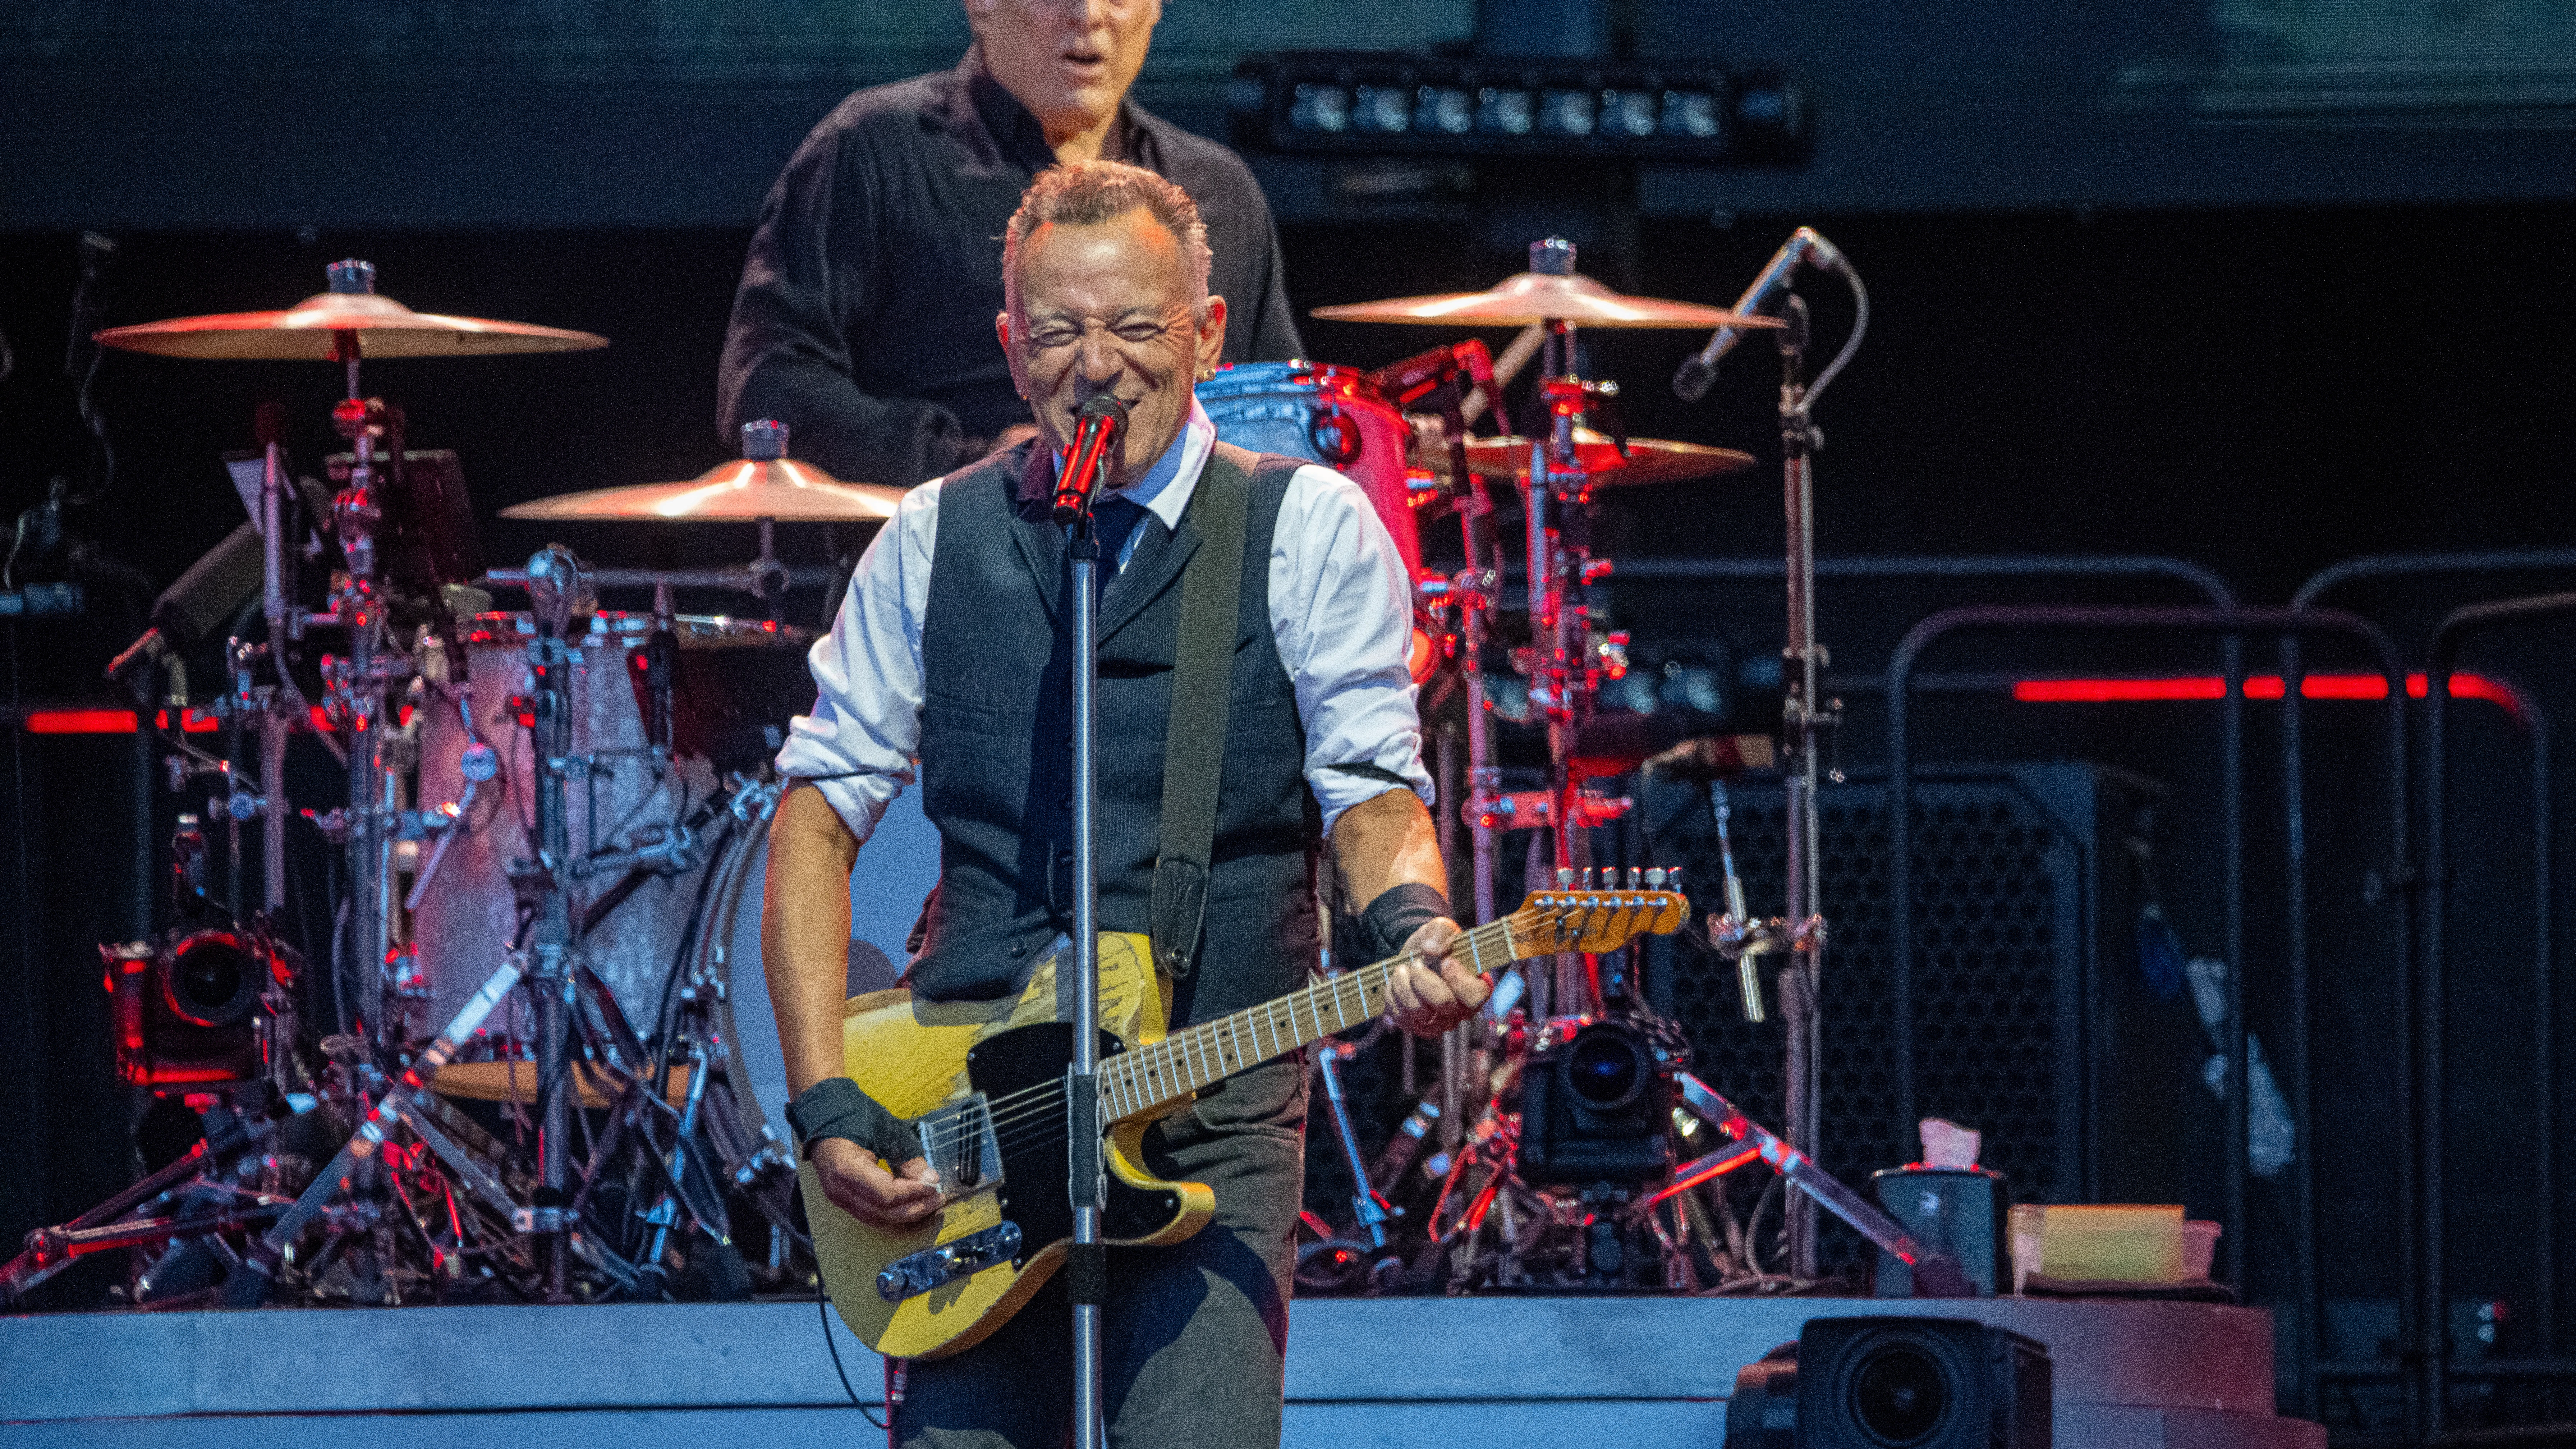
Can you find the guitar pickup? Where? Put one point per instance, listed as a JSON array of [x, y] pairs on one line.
[[957, 1140], [920, 1272]]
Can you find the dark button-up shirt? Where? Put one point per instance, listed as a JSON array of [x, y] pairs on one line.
[[865, 315]]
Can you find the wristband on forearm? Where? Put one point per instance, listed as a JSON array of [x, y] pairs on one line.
[[835, 1107], [1399, 911]]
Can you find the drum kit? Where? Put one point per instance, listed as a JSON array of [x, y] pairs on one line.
[[551, 1070]]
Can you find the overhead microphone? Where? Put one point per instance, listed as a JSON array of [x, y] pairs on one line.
[[1097, 430], [1806, 245]]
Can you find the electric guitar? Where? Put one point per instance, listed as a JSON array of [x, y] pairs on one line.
[[984, 1084]]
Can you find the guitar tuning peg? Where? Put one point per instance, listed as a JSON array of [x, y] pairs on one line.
[[1636, 877], [1564, 879], [1654, 877], [1588, 874], [1673, 879]]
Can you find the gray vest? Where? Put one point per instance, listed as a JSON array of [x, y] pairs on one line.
[[997, 751]]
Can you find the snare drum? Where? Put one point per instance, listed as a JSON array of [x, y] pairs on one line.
[[1336, 417]]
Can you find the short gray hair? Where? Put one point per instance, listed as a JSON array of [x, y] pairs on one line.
[[1088, 193]]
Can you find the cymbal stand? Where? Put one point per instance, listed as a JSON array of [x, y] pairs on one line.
[[273, 723], [1564, 672], [359, 682], [554, 588]]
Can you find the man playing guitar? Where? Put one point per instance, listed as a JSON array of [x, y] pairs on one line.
[[952, 648]]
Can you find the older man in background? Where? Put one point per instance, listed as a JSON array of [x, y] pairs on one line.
[[865, 314]]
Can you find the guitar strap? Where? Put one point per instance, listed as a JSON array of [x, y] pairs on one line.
[[1202, 687]]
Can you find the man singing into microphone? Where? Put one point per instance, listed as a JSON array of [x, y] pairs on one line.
[[864, 314], [953, 648]]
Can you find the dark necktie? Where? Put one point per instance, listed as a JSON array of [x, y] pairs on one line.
[[1112, 519]]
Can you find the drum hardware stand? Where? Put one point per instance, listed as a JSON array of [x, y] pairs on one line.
[[554, 588], [1370, 1211], [359, 683], [108, 1226]]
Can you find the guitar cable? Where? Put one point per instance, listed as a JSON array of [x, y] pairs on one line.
[[823, 1312]]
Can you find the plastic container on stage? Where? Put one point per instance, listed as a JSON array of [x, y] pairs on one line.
[[2111, 1243]]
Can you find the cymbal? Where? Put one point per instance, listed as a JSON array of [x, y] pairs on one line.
[[737, 492], [1649, 460], [1538, 297], [309, 330]]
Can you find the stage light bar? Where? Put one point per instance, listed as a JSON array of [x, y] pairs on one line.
[[1400, 103]]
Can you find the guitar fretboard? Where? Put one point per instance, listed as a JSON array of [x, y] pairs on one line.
[[1136, 1082]]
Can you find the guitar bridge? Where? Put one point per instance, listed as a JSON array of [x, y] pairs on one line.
[[958, 1141], [920, 1272]]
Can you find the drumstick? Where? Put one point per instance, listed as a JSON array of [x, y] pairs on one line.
[[1514, 358]]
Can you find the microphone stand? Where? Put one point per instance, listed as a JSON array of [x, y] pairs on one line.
[[1804, 717], [1086, 1266]]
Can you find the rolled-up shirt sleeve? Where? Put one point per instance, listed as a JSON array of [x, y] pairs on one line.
[[1341, 610], [858, 744]]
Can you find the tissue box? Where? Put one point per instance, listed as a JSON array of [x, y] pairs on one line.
[[1961, 1211]]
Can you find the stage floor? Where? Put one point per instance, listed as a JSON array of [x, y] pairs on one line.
[[1453, 1373]]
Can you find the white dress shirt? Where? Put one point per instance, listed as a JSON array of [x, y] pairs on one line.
[[1340, 611]]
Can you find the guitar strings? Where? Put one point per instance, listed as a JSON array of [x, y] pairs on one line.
[[1044, 1104], [1010, 1129]]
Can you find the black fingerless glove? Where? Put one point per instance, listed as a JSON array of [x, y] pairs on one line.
[[835, 1107], [1399, 911]]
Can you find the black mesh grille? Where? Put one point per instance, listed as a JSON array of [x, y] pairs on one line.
[[1999, 890]]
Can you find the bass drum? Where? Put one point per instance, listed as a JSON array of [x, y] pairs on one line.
[[1339, 418], [896, 870], [467, 919]]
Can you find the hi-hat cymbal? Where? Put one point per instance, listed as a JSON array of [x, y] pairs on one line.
[[1538, 297], [740, 491], [309, 332], [1649, 460]]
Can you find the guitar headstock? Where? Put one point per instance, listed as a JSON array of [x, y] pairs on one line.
[[1602, 913]]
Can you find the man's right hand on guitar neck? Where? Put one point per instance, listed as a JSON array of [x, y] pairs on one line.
[[856, 1181]]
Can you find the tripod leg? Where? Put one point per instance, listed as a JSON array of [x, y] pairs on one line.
[[248, 1288], [1935, 1274]]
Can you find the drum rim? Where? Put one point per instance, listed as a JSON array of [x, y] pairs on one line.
[[1297, 375]]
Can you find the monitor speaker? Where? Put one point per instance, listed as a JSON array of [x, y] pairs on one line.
[[1894, 1383]]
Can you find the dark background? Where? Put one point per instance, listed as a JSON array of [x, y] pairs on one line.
[[2136, 291]]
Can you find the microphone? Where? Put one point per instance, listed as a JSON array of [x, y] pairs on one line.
[[1097, 429], [1691, 380]]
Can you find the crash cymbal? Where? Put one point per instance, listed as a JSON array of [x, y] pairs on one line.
[[1537, 297], [309, 331], [1649, 460], [740, 491]]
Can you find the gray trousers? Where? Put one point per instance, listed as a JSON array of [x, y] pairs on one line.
[[1194, 1339]]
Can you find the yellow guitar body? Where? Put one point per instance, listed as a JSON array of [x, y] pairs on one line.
[[911, 1055], [984, 1083]]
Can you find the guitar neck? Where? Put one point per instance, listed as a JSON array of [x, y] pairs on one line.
[[1136, 1083]]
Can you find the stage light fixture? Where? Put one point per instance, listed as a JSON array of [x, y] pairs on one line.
[[1321, 108], [1689, 113], [1384, 109], [1504, 112], [1402, 103], [1445, 110], [1566, 113], [1629, 113]]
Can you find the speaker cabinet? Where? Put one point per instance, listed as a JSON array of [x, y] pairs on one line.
[[2031, 1019]]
